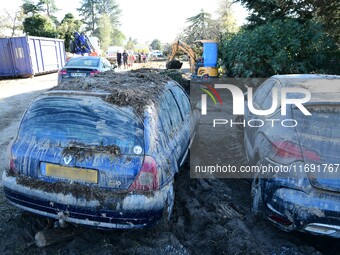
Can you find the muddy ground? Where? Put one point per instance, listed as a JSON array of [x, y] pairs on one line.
[[211, 216]]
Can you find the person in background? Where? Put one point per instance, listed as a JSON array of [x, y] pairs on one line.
[[144, 57], [119, 59], [125, 59], [139, 57], [132, 60]]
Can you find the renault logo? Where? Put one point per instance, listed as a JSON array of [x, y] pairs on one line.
[[67, 159]]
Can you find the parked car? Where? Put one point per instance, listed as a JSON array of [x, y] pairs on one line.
[[306, 195], [92, 158], [84, 66]]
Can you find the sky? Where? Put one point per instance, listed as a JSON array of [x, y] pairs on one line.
[[146, 20]]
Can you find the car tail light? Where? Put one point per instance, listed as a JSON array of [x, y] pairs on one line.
[[62, 72], [288, 150], [94, 72], [148, 177], [280, 220], [11, 165]]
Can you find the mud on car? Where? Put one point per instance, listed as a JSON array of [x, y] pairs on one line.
[[305, 195], [102, 151]]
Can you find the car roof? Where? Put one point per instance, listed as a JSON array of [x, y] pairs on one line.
[[305, 76], [85, 57], [135, 88], [323, 88]]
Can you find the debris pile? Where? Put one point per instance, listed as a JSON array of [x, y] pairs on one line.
[[134, 88]]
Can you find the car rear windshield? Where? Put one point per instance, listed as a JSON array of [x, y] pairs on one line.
[[83, 62], [89, 120], [324, 121]]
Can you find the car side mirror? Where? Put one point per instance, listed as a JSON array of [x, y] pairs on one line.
[[197, 106]]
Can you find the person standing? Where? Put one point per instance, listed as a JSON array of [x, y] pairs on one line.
[[139, 57], [125, 59], [119, 59], [132, 60]]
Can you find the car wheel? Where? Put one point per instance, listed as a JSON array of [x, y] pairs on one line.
[[256, 193], [240, 128], [168, 207]]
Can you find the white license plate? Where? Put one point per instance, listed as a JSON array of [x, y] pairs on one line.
[[78, 74]]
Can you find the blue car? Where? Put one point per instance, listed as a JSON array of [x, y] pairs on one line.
[[104, 156], [297, 154]]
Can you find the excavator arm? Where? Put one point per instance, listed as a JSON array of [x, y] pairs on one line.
[[176, 46]]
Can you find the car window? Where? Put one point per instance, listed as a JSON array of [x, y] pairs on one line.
[[86, 119], [106, 63], [170, 115], [261, 93], [268, 100], [182, 101], [83, 62], [164, 115], [175, 114]]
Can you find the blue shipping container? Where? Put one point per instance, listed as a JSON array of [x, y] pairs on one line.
[[27, 56]]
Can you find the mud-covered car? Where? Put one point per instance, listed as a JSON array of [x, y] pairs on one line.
[[83, 66], [297, 154], [102, 151]]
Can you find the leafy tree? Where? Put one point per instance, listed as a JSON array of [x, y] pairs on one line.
[[200, 27], [326, 12], [93, 10], [227, 19], [280, 47], [39, 25], [88, 11], [11, 22], [156, 44], [104, 31], [117, 37], [111, 8], [31, 9], [67, 27], [130, 45], [50, 8]]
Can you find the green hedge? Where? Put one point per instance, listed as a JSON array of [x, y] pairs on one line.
[[280, 47]]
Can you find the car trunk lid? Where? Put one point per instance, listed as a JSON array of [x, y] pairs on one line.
[[80, 139]]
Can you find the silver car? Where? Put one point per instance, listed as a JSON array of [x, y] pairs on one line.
[[296, 151]]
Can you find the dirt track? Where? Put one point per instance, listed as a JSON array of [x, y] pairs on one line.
[[211, 216]]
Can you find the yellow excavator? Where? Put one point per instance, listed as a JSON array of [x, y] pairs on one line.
[[202, 67]]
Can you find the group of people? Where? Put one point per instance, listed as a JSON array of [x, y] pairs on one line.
[[127, 59], [123, 58]]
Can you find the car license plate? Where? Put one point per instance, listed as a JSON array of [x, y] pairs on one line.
[[78, 74], [70, 173]]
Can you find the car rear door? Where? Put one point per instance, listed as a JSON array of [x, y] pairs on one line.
[[172, 124], [190, 117], [262, 100]]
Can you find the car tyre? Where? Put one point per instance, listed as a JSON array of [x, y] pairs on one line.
[[168, 208], [256, 194]]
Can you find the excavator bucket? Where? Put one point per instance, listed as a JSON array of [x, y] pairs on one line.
[[174, 64]]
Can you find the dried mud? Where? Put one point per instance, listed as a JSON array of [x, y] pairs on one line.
[[134, 88], [211, 216], [81, 151]]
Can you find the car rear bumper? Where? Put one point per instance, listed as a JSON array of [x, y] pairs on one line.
[[317, 212], [108, 210]]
